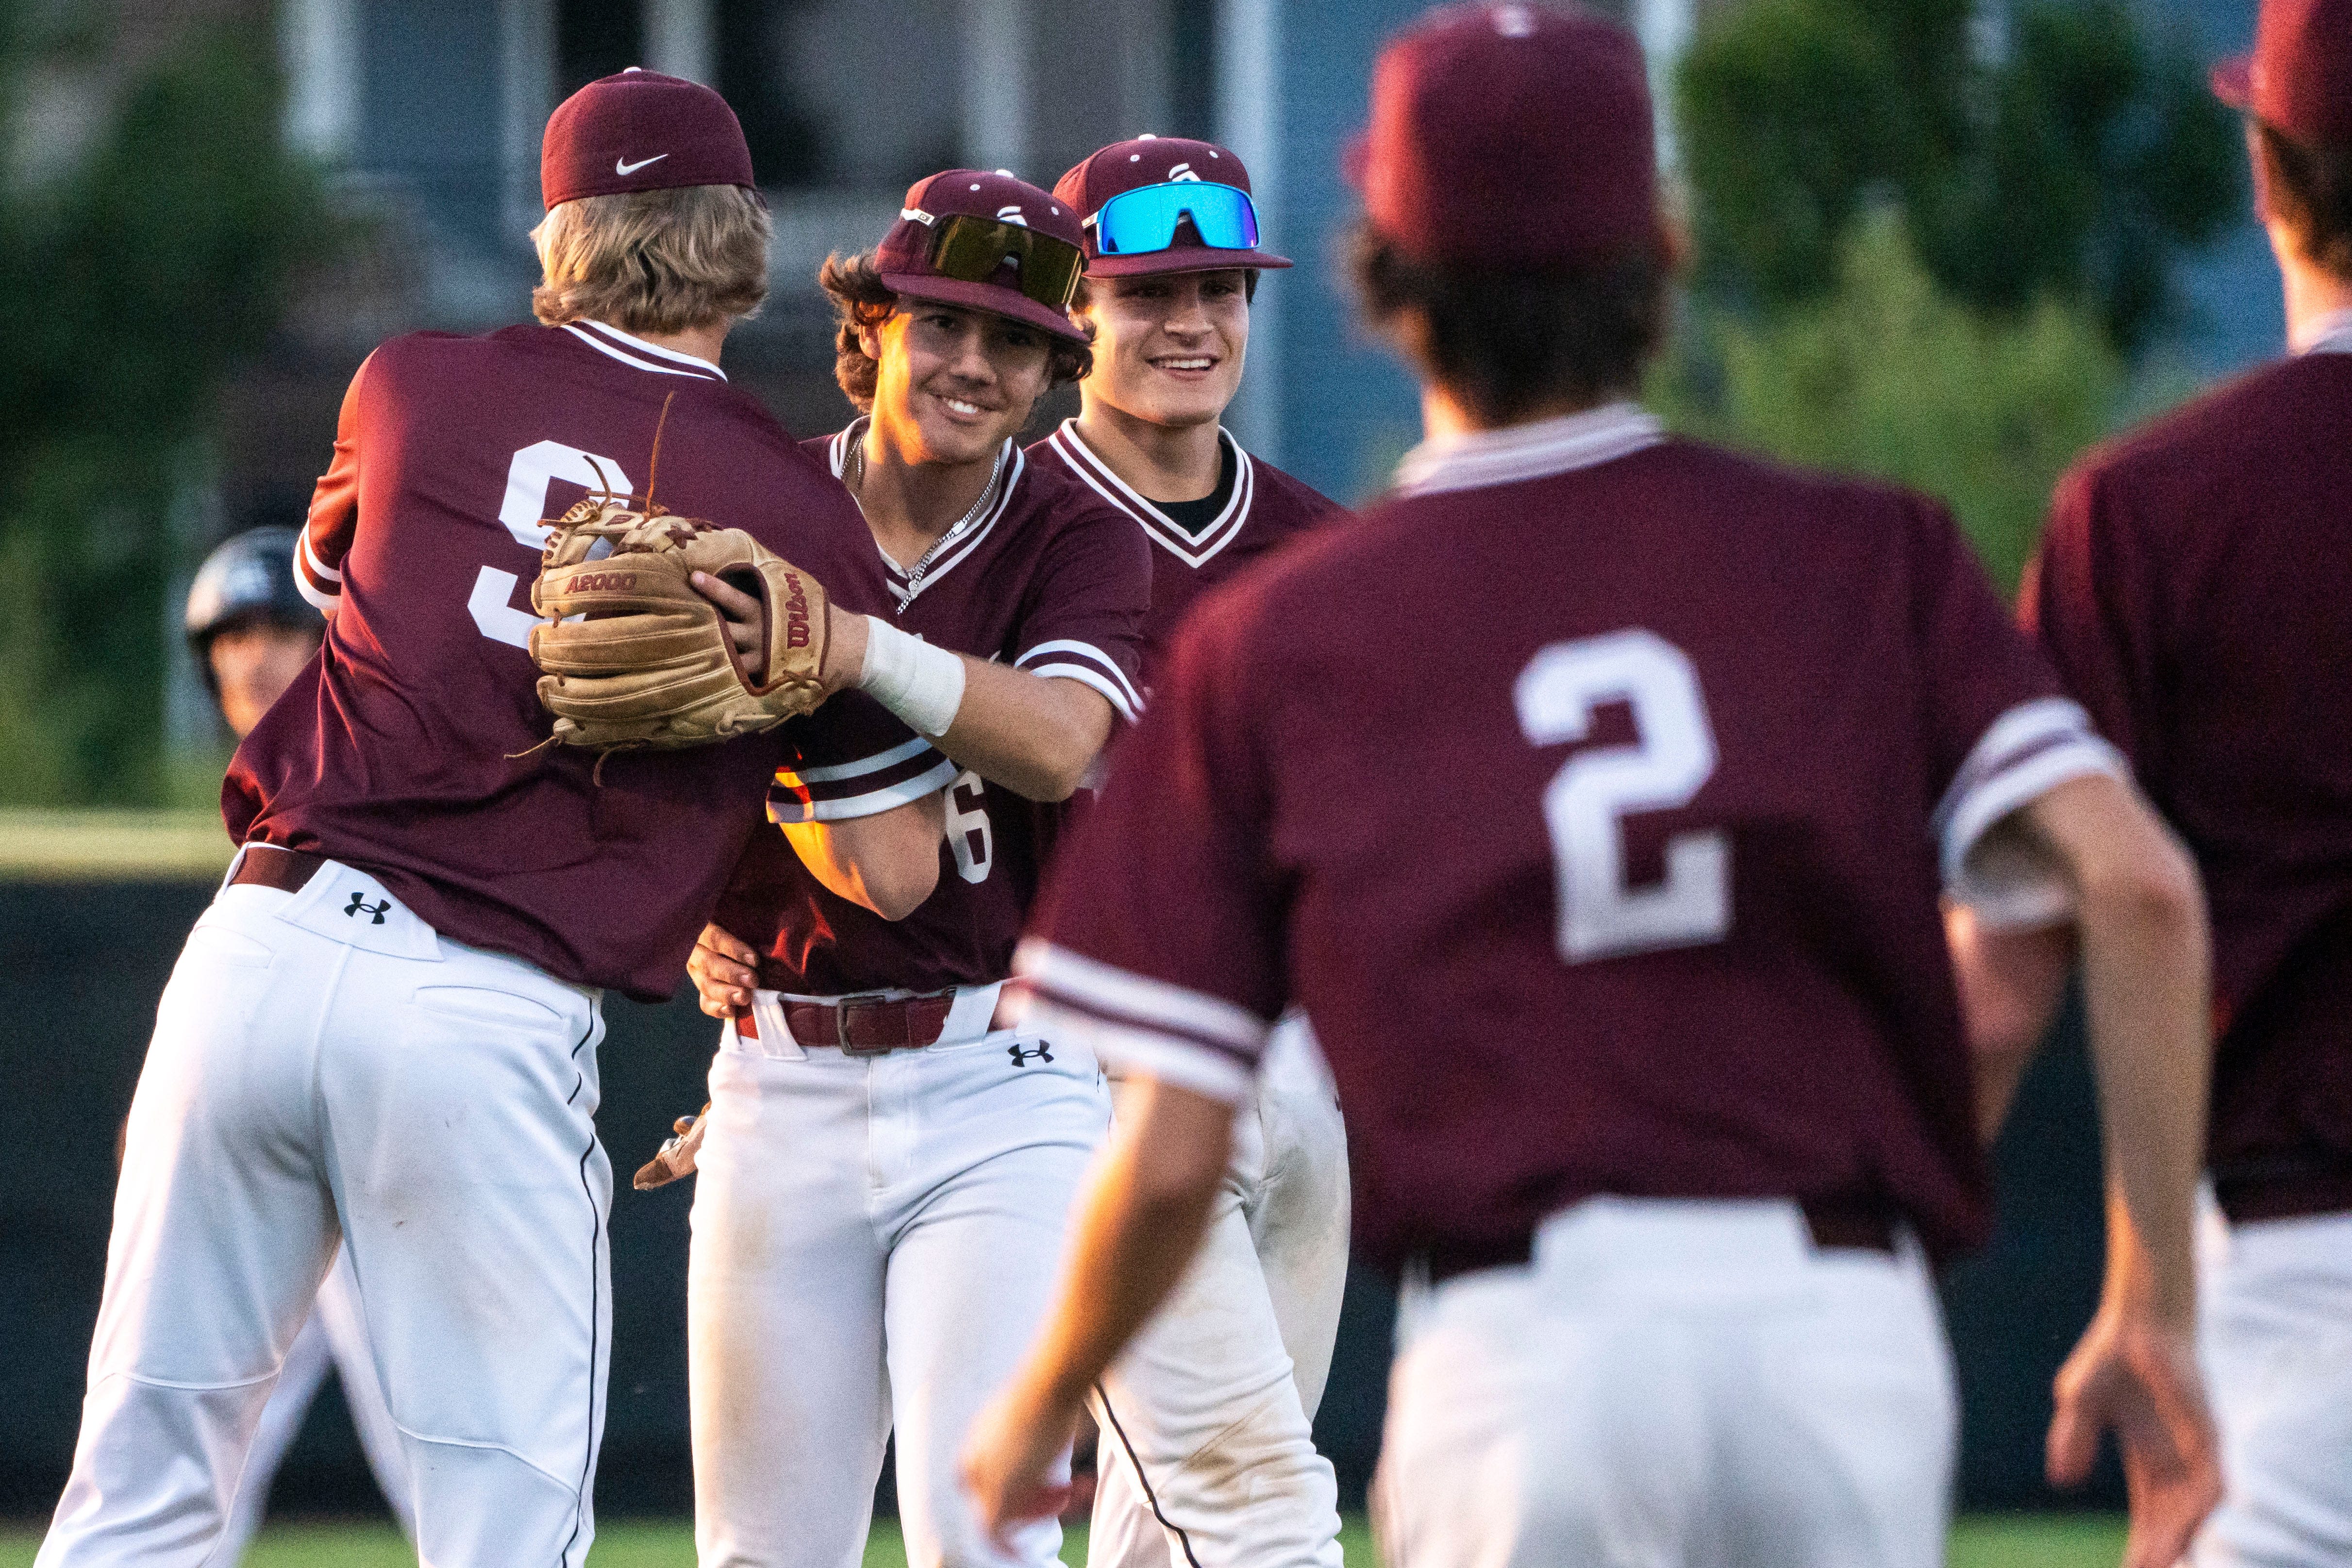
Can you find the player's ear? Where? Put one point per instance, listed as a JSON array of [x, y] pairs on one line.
[[1674, 235]]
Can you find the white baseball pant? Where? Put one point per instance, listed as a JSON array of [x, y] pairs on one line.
[[1671, 1384], [316, 1075], [2275, 1336], [1206, 1454], [876, 1242], [333, 1338]]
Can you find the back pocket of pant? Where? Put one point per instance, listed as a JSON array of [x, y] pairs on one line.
[[217, 944], [482, 1005]]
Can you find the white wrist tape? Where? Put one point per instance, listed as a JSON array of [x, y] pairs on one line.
[[919, 683]]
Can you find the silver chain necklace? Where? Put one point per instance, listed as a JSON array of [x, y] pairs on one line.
[[987, 493]]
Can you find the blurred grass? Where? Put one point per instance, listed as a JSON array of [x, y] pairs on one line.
[[2024, 1540], [41, 845]]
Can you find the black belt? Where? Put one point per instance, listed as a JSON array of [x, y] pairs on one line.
[[1835, 1228]]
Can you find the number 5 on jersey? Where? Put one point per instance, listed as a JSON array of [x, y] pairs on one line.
[[1588, 800]]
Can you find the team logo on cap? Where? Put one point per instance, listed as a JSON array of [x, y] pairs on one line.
[[1009, 214], [1183, 171]]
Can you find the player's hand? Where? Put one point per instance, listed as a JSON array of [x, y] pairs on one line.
[[746, 619], [2137, 1377], [725, 971], [1014, 1447]]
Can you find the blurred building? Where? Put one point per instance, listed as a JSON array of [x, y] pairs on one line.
[[430, 113]]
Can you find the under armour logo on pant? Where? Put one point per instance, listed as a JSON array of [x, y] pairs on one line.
[[1021, 1058], [360, 906]]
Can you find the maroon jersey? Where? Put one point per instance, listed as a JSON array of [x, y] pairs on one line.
[[410, 745], [2195, 590], [1044, 577], [1264, 510], [1633, 887]]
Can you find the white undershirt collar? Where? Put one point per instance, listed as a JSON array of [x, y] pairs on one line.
[[1473, 459], [2330, 333]]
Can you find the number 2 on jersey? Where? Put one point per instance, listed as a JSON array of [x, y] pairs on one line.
[[1588, 800]]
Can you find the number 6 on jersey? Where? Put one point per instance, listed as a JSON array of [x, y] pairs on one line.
[[1586, 803]]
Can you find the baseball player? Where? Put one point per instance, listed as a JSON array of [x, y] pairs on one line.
[[383, 1030], [886, 1174], [2195, 590], [1206, 1453], [251, 632], [1594, 795]]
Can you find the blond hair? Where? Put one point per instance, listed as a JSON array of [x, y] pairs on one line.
[[654, 261]]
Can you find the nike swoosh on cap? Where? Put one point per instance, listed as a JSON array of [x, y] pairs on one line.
[[624, 167]]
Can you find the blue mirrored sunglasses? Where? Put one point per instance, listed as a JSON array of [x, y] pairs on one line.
[[1135, 222]]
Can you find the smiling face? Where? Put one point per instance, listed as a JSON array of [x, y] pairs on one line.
[[951, 385], [1168, 347]]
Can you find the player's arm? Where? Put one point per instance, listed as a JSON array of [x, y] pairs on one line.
[[334, 520], [1035, 727], [1142, 1219], [2012, 975], [888, 862], [2008, 750], [1034, 734], [2141, 914], [1163, 947]]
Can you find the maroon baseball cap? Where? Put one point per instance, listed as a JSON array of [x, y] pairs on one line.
[[640, 131], [2299, 78], [904, 256], [1143, 161], [1510, 135]]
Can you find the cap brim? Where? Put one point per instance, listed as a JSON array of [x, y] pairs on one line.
[[994, 299], [2233, 82], [1183, 258]]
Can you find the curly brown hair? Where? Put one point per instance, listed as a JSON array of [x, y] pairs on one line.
[[861, 300], [2309, 189], [1509, 341]]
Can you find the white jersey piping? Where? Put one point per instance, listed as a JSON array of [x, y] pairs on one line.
[[1536, 451], [1099, 477]]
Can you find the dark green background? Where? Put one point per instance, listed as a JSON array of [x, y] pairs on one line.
[[82, 964]]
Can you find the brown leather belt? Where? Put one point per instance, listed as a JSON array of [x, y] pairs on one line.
[[1835, 1227], [871, 1026], [287, 870]]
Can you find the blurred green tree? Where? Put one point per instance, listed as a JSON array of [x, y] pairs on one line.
[[1887, 375], [2045, 149], [130, 284]]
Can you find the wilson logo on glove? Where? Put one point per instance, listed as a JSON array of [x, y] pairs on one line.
[[796, 614], [661, 669]]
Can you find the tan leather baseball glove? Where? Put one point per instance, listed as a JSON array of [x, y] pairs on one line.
[[675, 1158], [631, 655]]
